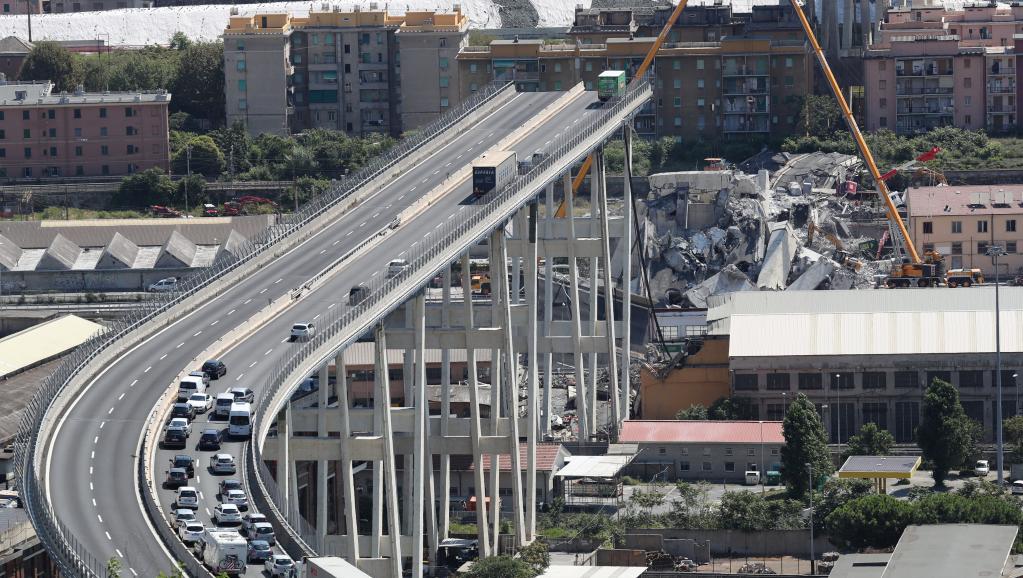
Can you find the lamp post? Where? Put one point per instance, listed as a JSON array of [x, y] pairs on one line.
[[838, 404], [994, 251], [1015, 385], [809, 467]]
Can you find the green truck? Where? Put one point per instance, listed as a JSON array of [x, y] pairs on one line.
[[610, 84]]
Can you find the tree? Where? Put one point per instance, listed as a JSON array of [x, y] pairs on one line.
[[500, 567], [1012, 431], [179, 41], [979, 508], [731, 408], [537, 555], [144, 188], [871, 441], [805, 443], [741, 510], [206, 158], [874, 521], [820, 116], [235, 143], [647, 499], [114, 567], [199, 85], [944, 431], [835, 493], [195, 189], [695, 411], [53, 62]]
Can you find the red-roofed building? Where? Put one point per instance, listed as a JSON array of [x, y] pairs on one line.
[[703, 450]]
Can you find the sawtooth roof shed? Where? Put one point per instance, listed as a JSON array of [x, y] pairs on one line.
[[179, 252], [10, 254], [61, 255], [120, 253]]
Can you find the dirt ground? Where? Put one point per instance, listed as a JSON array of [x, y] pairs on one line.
[[781, 565]]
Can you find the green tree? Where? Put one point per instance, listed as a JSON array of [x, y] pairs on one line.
[[191, 189], [979, 508], [835, 493], [647, 499], [537, 555], [871, 441], [180, 41], [1012, 431], [731, 408], [820, 115], [500, 567], [199, 85], [236, 145], [51, 61], [693, 509], [148, 70], [206, 158], [695, 411], [805, 443], [114, 567], [944, 431], [144, 188], [741, 510], [874, 521]]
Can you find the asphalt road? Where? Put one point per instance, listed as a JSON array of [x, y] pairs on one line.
[[91, 465]]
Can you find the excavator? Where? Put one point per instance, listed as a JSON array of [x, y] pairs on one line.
[[841, 256]]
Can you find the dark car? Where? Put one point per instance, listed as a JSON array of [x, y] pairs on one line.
[[259, 551], [184, 462], [176, 477], [175, 438], [215, 368], [242, 394], [182, 410], [229, 484], [210, 439]]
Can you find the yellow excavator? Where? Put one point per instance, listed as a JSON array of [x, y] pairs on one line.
[[841, 256]]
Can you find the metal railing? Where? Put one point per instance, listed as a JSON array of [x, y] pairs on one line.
[[64, 548], [423, 263]]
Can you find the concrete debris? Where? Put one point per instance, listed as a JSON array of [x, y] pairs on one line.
[[781, 249], [816, 274], [729, 280]]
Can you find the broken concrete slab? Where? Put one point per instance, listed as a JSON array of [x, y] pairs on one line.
[[236, 244], [729, 280], [816, 274], [781, 249]]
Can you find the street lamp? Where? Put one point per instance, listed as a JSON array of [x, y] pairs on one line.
[[824, 408], [995, 251], [838, 389], [1015, 385], [809, 467]]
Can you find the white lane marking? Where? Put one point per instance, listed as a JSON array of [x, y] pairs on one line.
[[349, 233], [247, 301], [331, 306], [547, 143], [414, 243], [323, 251], [427, 179], [214, 323], [268, 351], [209, 513], [436, 171], [253, 364], [426, 235], [92, 488], [134, 572], [377, 214], [240, 376], [100, 518], [375, 274], [317, 317], [231, 311], [388, 207], [90, 470], [111, 411], [108, 535], [94, 499], [402, 254], [93, 455], [401, 197], [479, 143], [448, 165], [120, 397], [95, 440], [133, 383], [338, 241], [147, 369], [410, 190], [362, 225], [119, 554], [263, 291], [197, 333], [201, 497], [284, 340], [162, 357], [178, 346], [458, 157], [461, 209], [438, 225], [279, 280], [101, 424]]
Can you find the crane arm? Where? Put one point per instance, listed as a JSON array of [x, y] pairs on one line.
[[868, 157], [640, 73]]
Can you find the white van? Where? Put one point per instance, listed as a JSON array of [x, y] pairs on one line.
[[239, 423], [189, 386], [222, 406]]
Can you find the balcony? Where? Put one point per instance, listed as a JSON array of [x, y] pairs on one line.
[[747, 105], [1002, 109], [740, 124], [744, 71], [1001, 89], [901, 90], [752, 86], [922, 71]]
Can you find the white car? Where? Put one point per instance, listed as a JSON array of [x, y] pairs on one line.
[[395, 267], [191, 532], [222, 464], [222, 407], [250, 520], [187, 497], [183, 517], [227, 514], [164, 285], [982, 468], [1017, 487], [280, 566], [236, 497], [261, 531], [179, 423], [303, 331], [202, 402]]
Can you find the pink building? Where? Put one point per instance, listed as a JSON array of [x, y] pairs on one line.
[[82, 134]]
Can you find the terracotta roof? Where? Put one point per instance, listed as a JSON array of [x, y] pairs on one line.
[[546, 456], [715, 432], [959, 200]]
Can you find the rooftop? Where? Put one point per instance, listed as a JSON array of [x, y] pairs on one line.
[[951, 551], [890, 466], [41, 93], [546, 458], [12, 45], [42, 342], [701, 431], [606, 466], [970, 200]]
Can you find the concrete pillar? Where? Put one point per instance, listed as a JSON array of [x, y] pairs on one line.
[[349, 502], [292, 486], [284, 459], [848, 18], [408, 386], [573, 271], [512, 397], [626, 381], [595, 184], [475, 427], [445, 406], [609, 301], [498, 296], [419, 457], [383, 407], [529, 237], [866, 25], [321, 465], [548, 313]]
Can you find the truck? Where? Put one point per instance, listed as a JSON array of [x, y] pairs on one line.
[[610, 84], [493, 171], [224, 551], [330, 567]]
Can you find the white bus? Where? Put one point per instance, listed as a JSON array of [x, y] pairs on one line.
[[240, 420]]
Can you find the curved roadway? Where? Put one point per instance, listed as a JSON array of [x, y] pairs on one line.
[[91, 468]]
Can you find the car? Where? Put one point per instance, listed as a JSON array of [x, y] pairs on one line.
[[222, 407], [191, 532], [179, 423], [209, 210], [260, 551], [280, 566], [261, 531], [182, 516], [185, 462], [164, 285], [182, 409], [302, 331], [202, 402], [242, 394], [176, 477], [187, 497], [227, 514], [205, 377], [395, 267], [175, 438], [210, 439], [1017, 487], [251, 519], [229, 484], [214, 368], [982, 468], [222, 464], [358, 294], [236, 497]]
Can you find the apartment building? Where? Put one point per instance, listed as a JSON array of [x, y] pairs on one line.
[[341, 70], [21, 7], [13, 52], [81, 134], [736, 86], [65, 6]]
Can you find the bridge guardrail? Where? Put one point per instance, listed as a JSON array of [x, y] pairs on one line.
[[67, 552], [422, 266]]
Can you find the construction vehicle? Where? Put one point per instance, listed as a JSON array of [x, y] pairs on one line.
[[840, 256], [926, 273], [164, 212], [610, 84], [209, 210], [963, 277]]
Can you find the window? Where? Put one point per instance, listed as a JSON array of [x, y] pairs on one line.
[[443, 62], [968, 119], [104, 150], [240, 46], [883, 103], [746, 382], [928, 227], [728, 451], [841, 381], [945, 376], [790, 81], [907, 380], [78, 151], [706, 451], [3, 153], [972, 378], [810, 381], [751, 451], [1010, 247], [957, 227], [778, 381], [26, 133], [685, 451], [51, 114], [706, 466], [967, 100], [1010, 226], [678, 121], [700, 102], [982, 226], [557, 85], [774, 451], [240, 65], [444, 81], [243, 104], [928, 247], [982, 247], [105, 170], [130, 149], [874, 380], [28, 152], [52, 133], [676, 65], [102, 131], [243, 85], [683, 466], [729, 466], [25, 115], [78, 113], [883, 121], [662, 451], [677, 101], [103, 112], [129, 112], [882, 84], [967, 82], [589, 66], [444, 102], [700, 64], [700, 83], [875, 412]]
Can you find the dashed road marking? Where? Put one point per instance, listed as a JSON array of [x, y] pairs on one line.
[[323, 251], [108, 535], [410, 190], [201, 497], [133, 572], [253, 364], [133, 383], [436, 171], [162, 357], [197, 333], [100, 518], [198, 480], [95, 440], [363, 224], [375, 274], [240, 376], [92, 456], [247, 301], [284, 340], [401, 197], [120, 397], [448, 165], [231, 311], [101, 424], [317, 317], [90, 470], [209, 513], [119, 554], [331, 306], [110, 411], [349, 233], [268, 351], [92, 488], [338, 241], [94, 499], [375, 215], [147, 369], [178, 346], [263, 291], [279, 280], [214, 323]]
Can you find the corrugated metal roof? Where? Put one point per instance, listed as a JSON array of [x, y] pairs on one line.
[[951, 551], [546, 458], [701, 431], [142, 232], [606, 466], [35, 344]]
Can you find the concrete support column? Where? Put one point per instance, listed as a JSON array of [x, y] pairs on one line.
[[866, 25], [626, 381], [609, 301], [284, 459], [498, 296], [349, 503], [382, 405], [475, 427], [529, 236], [292, 487], [548, 313], [419, 458], [585, 426], [321, 465], [445, 406], [512, 397], [848, 18], [408, 384], [595, 183]]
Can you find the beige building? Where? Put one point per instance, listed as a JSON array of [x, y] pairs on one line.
[[341, 70], [962, 222]]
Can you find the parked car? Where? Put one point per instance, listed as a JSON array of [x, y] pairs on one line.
[[201, 402], [176, 477], [187, 497], [215, 368], [164, 285], [1017, 487], [222, 464], [182, 409], [226, 514], [302, 331], [229, 484], [262, 531], [251, 519], [210, 439], [191, 532], [242, 394], [260, 551], [174, 439], [183, 516], [280, 566], [982, 468], [236, 497]]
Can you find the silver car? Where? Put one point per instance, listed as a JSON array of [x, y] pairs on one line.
[[222, 464]]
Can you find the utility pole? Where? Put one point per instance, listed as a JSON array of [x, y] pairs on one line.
[[28, 6], [810, 468], [188, 171], [994, 251]]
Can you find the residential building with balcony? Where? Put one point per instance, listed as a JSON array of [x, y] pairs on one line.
[[43, 134], [341, 70]]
